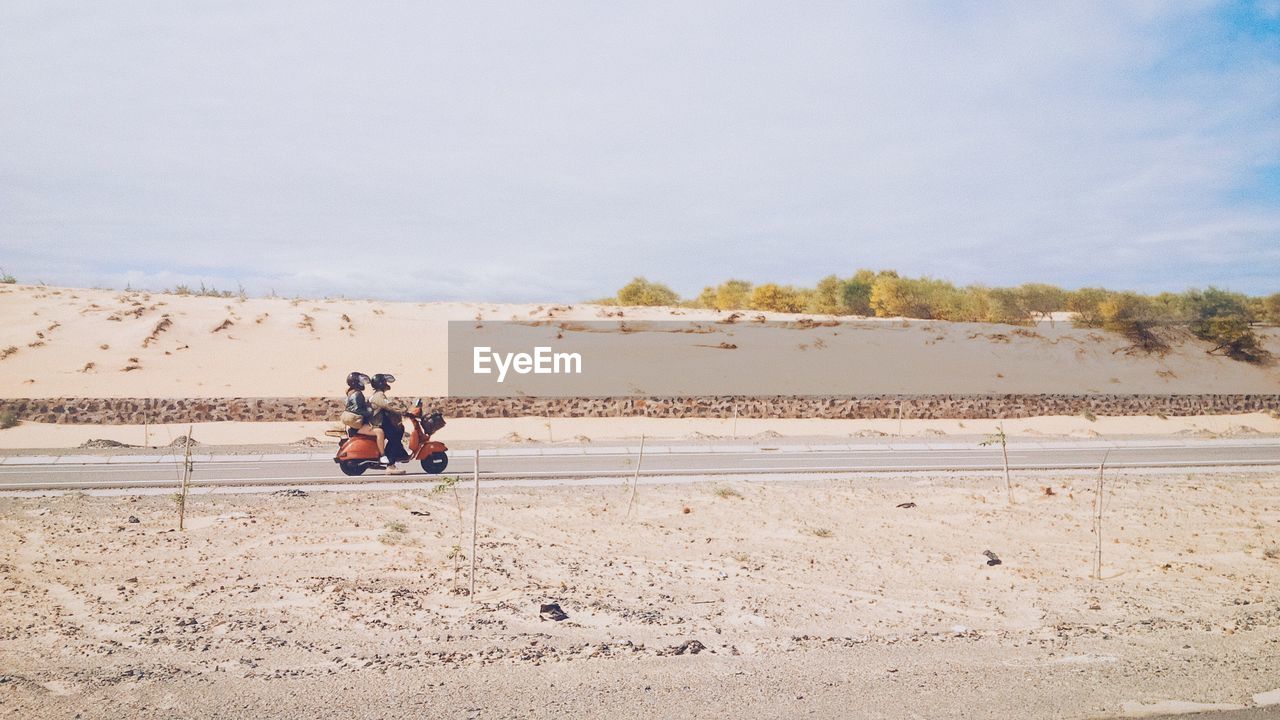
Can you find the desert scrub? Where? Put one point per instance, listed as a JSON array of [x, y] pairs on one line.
[[727, 493], [1088, 415], [396, 534], [1272, 553], [8, 419], [820, 532], [8, 351]]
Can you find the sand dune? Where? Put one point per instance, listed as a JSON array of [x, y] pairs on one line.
[[103, 343]]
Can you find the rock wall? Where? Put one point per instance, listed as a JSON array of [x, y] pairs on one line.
[[136, 411]]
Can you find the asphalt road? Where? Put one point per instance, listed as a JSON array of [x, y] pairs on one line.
[[133, 471]]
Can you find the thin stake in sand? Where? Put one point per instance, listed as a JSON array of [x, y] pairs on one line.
[[1097, 520], [186, 480], [475, 509], [635, 479]]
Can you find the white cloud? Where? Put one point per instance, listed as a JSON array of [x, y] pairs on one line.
[[552, 151]]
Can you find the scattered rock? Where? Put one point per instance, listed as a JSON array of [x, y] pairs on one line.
[[690, 647], [184, 441], [311, 442], [134, 519], [290, 492], [420, 513], [552, 611], [906, 505], [992, 560], [102, 444]]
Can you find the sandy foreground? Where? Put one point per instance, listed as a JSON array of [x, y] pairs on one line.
[[824, 598]]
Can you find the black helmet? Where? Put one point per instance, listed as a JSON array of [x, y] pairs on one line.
[[356, 380], [382, 381]]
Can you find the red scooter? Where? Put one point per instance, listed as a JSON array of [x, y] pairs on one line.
[[357, 453]]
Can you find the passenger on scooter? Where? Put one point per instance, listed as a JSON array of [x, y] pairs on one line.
[[358, 412], [386, 416]]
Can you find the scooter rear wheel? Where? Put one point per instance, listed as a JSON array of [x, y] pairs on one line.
[[435, 463], [352, 468]]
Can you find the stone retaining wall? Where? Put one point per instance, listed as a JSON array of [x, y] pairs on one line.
[[136, 411]]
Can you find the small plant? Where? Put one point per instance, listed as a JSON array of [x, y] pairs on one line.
[[448, 484], [6, 278], [999, 438], [727, 493], [820, 532], [1088, 415], [397, 527], [8, 419], [8, 351], [455, 554], [1272, 553]]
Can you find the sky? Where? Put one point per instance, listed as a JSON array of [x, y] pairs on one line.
[[551, 151]]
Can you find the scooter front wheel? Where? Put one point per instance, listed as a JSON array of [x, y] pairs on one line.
[[435, 463], [350, 467]]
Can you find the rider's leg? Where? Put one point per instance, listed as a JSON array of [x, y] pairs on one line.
[[381, 437]]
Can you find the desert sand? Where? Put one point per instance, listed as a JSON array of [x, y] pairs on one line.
[[108, 343], [729, 599]]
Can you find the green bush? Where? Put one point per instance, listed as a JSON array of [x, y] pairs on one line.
[[1219, 317], [856, 293], [828, 297], [1271, 309], [728, 295], [1038, 300], [1223, 319], [771, 297], [642, 292], [1086, 303], [1134, 316]]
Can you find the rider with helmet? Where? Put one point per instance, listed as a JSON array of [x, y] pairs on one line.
[[359, 412], [386, 414]]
